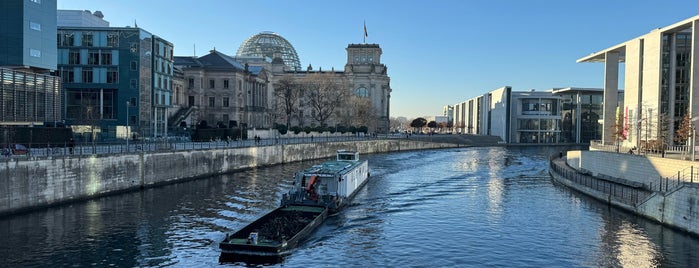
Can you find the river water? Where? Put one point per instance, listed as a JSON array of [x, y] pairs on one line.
[[468, 207]]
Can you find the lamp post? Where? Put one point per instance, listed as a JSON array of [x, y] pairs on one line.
[[127, 125]]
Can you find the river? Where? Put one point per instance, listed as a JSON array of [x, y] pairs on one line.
[[467, 207]]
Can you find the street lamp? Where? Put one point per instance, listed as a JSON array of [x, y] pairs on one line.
[[127, 125]]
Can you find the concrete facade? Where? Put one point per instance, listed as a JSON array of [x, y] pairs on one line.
[[661, 82], [81, 18], [31, 184]]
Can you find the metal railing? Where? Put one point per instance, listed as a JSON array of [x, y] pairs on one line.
[[620, 192], [675, 149], [668, 184], [164, 144]]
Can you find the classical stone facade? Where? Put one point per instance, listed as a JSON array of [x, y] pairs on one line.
[[240, 90], [221, 91], [368, 90]]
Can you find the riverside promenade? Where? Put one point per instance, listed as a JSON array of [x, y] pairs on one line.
[[33, 182], [662, 189]]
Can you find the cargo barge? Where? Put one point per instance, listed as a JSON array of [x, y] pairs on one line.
[[318, 191]]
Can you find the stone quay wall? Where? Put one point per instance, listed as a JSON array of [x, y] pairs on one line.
[[677, 206], [30, 184]]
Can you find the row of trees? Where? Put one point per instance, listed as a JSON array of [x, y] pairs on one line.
[[321, 129], [655, 135], [402, 123], [325, 97]]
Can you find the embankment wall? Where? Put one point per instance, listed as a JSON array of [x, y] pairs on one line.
[[678, 207], [29, 184]]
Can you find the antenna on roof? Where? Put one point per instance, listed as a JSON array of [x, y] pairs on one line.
[[135, 25], [195, 50]]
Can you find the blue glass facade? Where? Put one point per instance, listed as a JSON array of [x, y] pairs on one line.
[[108, 70]]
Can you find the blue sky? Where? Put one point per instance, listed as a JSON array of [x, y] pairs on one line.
[[437, 52]]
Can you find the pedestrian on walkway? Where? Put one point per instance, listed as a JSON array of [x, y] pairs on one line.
[[71, 145]]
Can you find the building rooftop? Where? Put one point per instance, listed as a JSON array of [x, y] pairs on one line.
[[599, 56]]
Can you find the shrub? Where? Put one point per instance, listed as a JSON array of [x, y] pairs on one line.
[[364, 129], [281, 128]]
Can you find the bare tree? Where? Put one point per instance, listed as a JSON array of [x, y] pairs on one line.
[[398, 123], [363, 113], [684, 130], [287, 95], [618, 131], [324, 93]]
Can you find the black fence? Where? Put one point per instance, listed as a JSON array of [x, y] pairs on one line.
[[84, 148], [623, 193]]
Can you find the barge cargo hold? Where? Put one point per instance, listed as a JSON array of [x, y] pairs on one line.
[[318, 190], [273, 235]]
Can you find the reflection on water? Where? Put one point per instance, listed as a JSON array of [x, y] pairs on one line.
[[459, 207]]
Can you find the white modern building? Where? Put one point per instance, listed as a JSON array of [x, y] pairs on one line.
[[559, 115], [661, 82]]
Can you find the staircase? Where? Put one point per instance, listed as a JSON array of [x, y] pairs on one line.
[[181, 115]]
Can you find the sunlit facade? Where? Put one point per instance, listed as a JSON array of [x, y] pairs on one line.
[[560, 115], [660, 82]]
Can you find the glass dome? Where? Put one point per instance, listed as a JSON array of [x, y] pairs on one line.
[[272, 45]]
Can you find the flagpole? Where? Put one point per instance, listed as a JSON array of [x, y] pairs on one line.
[[365, 32]]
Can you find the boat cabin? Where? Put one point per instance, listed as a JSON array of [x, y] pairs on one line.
[[344, 155]]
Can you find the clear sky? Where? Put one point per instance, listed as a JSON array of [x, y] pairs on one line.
[[437, 52]]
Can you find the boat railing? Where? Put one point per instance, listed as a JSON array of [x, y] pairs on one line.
[[302, 197]]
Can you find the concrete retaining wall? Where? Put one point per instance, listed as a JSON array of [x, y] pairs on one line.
[[626, 166], [678, 208], [26, 184]]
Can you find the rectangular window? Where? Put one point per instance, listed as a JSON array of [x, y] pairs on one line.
[[87, 39], [35, 26], [212, 83], [134, 48], [162, 99], [68, 75], [226, 102], [35, 53], [134, 84], [74, 56], [112, 76], [212, 101], [225, 83], [87, 75], [93, 57], [190, 84], [113, 40], [134, 66], [66, 39], [106, 58]]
